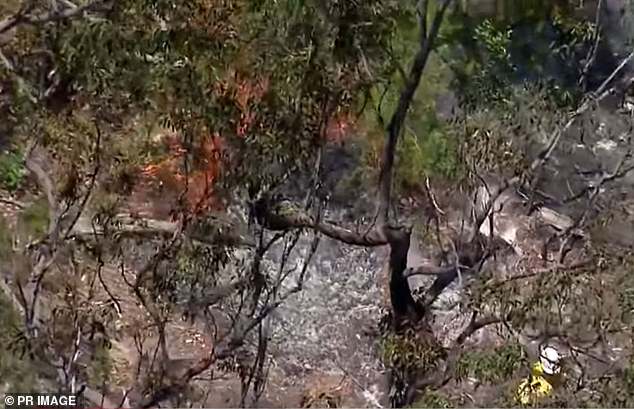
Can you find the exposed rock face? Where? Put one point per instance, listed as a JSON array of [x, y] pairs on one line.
[[325, 328], [589, 151]]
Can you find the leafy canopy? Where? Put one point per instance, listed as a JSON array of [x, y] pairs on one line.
[[259, 81]]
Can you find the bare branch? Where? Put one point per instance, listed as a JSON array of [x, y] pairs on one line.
[[429, 269], [222, 351], [127, 226], [441, 377], [432, 198], [12, 21], [616, 71], [543, 157], [620, 171], [218, 293], [592, 53], [579, 265], [18, 305], [292, 217], [92, 177]]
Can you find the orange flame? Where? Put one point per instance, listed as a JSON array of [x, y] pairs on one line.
[[167, 174], [199, 193], [339, 128]]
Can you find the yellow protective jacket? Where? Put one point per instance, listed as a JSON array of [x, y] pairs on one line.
[[534, 387]]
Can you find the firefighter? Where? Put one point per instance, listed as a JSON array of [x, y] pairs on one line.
[[545, 374]]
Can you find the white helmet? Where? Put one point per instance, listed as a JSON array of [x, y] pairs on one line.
[[549, 358]]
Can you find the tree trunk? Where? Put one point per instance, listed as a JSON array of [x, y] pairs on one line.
[[404, 306]]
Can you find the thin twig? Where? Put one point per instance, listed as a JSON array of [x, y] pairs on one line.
[[592, 53]]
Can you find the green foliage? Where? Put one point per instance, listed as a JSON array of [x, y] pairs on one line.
[[187, 65], [12, 170], [433, 151], [492, 365], [493, 77], [193, 271], [574, 33], [496, 44], [408, 352], [488, 57]]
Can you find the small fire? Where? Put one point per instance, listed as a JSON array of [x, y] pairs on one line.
[[167, 177], [339, 128], [199, 185], [245, 92]]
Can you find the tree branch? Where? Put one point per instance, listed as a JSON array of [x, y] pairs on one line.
[[395, 126], [592, 52], [284, 216], [441, 377], [430, 269], [543, 157], [126, 226], [229, 344]]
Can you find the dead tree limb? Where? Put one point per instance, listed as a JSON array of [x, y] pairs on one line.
[[126, 226]]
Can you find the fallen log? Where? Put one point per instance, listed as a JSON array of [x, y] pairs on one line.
[[221, 232]]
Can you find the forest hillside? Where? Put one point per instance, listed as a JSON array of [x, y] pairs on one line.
[[317, 203]]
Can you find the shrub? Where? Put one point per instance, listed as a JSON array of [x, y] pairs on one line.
[[100, 368], [434, 153], [493, 365], [426, 147], [409, 352], [12, 170]]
